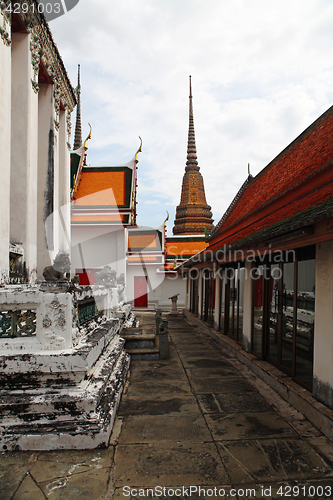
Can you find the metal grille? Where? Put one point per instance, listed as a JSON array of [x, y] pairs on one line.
[[87, 311], [19, 323]]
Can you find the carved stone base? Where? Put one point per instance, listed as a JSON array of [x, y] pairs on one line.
[[73, 405]]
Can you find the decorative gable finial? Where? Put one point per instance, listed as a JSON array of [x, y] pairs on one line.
[[138, 151]]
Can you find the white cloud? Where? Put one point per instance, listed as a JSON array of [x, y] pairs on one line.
[[261, 73]]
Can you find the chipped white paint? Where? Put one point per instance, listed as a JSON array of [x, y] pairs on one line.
[[54, 320]]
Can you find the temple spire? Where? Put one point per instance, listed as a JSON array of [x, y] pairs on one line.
[[192, 162], [193, 214], [78, 130]]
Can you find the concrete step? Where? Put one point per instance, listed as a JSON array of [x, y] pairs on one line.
[[148, 353], [143, 336], [131, 331]]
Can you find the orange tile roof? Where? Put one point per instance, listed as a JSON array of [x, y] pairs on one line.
[[184, 248], [97, 218], [101, 188], [168, 267], [144, 258], [136, 241]]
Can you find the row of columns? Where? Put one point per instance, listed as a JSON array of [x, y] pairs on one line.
[[34, 164], [323, 328]]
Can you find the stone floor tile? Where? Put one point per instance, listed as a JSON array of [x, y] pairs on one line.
[[28, 490], [13, 469], [58, 464], [158, 371], [233, 403], [103, 457], [213, 372], [92, 484], [239, 426], [272, 460], [164, 429], [204, 362], [168, 464], [168, 406], [220, 385], [160, 388]]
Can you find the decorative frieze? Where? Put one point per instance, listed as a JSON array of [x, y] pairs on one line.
[[36, 52], [4, 33], [44, 49], [69, 127]]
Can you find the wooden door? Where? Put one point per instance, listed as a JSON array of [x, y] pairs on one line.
[[140, 291]]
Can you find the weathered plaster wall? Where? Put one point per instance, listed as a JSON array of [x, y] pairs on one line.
[[323, 338], [24, 120], [5, 101]]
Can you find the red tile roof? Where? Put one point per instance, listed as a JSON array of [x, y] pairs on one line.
[[298, 178]]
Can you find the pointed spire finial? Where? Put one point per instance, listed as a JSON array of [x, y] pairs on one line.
[[192, 163], [78, 129]]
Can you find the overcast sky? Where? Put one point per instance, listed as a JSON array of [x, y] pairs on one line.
[[262, 71]]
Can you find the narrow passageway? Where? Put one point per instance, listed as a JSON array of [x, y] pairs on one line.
[[197, 425], [196, 419]]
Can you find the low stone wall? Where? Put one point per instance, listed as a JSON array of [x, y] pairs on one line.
[[63, 373]]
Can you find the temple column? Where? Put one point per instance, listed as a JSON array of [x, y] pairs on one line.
[[200, 294], [323, 327], [247, 310], [64, 187], [188, 293], [217, 310], [5, 103], [48, 180], [24, 143]]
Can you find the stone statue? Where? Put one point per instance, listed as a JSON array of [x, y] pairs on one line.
[[60, 270], [121, 279], [106, 277]]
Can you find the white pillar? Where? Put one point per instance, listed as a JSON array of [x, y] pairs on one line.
[[24, 119], [64, 188], [247, 310], [188, 292], [48, 183], [323, 327], [217, 311], [5, 101], [200, 295]]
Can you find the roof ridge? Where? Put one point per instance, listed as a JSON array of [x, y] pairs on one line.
[[231, 206]]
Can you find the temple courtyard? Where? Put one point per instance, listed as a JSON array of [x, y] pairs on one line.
[[197, 425]]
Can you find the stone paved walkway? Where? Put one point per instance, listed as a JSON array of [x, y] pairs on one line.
[[200, 420]]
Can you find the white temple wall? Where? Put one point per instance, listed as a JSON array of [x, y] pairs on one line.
[[24, 145], [96, 247], [172, 284], [5, 102]]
